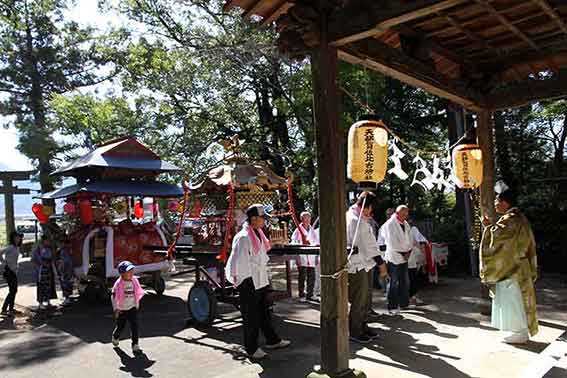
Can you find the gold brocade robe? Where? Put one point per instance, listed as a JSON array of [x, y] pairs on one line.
[[508, 250]]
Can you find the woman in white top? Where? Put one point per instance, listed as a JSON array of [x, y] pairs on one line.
[[247, 270], [9, 258]]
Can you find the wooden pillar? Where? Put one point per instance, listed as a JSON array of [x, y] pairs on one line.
[[485, 135], [8, 190], [332, 207]]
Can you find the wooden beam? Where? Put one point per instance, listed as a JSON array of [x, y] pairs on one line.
[[252, 10], [332, 205], [392, 62], [277, 13], [522, 94], [16, 175], [356, 22], [473, 36], [543, 4], [485, 137], [14, 190], [490, 8]]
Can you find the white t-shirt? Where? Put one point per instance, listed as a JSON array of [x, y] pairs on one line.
[[129, 299]]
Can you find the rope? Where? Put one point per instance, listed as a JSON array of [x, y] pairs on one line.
[[344, 269]]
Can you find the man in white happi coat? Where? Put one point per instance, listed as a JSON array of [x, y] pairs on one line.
[[305, 234], [416, 259], [247, 270], [360, 263], [399, 244]]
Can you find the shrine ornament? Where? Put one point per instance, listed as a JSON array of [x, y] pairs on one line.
[[467, 166], [367, 152]]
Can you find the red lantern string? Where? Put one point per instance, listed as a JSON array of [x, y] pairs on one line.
[[223, 255], [171, 249], [304, 240]]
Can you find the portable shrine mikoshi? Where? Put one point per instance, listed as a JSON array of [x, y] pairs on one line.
[[111, 214], [215, 211]]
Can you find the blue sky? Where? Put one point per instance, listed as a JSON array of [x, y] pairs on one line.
[[86, 13]]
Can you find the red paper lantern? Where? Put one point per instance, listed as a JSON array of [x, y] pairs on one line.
[[86, 212], [173, 206], [38, 211], [69, 208], [139, 210]]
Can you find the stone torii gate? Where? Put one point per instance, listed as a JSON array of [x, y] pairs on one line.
[[483, 55], [9, 190]]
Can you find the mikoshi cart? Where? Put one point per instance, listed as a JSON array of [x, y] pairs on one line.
[[111, 215], [215, 212]]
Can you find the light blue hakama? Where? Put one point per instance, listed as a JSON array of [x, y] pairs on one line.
[[508, 312]]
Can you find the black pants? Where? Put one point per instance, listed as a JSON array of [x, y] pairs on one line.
[[359, 304], [413, 282], [12, 280], [254, 307], [398, 292], [306, 273], [130, 316]]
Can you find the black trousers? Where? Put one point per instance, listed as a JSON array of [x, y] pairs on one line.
[[256, 316], [130, 316], [306, 273], [413, 282], [12, 280]]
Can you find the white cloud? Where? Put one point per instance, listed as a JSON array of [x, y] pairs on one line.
[[11, 159]]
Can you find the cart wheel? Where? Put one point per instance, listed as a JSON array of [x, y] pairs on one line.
[[202, 303], [159, 285]]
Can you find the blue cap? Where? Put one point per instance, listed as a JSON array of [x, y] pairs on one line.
[[125, 266]]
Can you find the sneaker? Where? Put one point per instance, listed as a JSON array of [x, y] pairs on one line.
[[115, 342], [282, 344], [362, 339], [258, 354], [136, 348], [371, 333], [312, 300], [373, 313], [302, 299], [394, 312], [42, 306], [67, 302], [4, 313]]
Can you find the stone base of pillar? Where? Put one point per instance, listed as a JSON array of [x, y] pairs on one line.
[[347, 374]]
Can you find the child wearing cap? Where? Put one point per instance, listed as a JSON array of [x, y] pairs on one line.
[[126, 295]]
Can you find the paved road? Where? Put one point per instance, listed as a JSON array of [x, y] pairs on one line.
[[444, 339]]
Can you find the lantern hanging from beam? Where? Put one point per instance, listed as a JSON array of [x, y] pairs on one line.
[[467, 165], [367, 152]]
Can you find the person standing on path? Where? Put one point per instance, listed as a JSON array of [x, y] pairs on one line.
[[362, 241], [44, 273], [247, 270], [305, 234], [417, 255], [508, 263], [399, 243], [126, 295], [9, 259], [64, 264]]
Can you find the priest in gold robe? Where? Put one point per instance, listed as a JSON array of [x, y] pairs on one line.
[[508, 264]]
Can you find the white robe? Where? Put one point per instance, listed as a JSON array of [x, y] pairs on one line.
[[397, 240], [365, 241], [243, 263], [313, 238], [417, 257]]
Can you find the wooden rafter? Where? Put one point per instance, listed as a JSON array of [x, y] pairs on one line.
[[252, 10], [527, 92], [493, 11], [353, 24], [277, 13], [543, 4], [471, 35], [392, 62]]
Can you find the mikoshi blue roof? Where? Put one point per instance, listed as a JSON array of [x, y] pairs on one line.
[[126, 153], [117, 188]]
